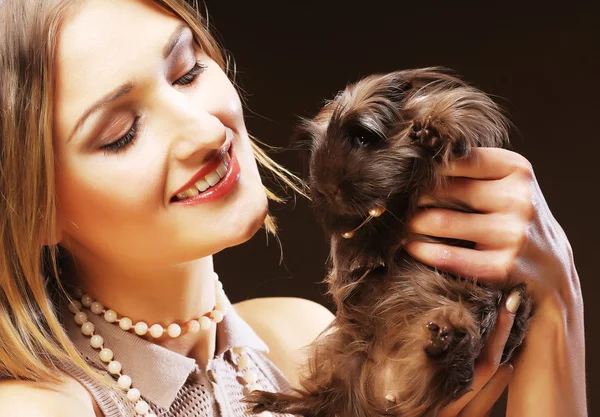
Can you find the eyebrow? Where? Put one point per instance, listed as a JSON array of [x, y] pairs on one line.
[[126, 87]]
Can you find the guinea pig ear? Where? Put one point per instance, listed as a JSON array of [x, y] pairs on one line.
[[303, 134], [303, 137]]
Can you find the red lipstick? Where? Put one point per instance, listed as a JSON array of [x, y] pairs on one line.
[[222, 188]]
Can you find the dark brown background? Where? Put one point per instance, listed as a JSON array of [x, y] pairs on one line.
[[541, 64]]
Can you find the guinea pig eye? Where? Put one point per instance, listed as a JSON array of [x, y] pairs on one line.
[[359, 136]]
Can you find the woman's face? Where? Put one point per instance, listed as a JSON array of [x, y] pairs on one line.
[[160, 115]]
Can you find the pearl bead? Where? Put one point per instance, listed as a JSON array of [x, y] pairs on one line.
[[96, 307], [221, 304], [376, 211], [114, 367], [106, 355], [80, 318], [87, 328], [216, 316], [174, 330], [125, 323], [219, 301], [86, 300], [142, 407], [110, 316], [250, 376], [193, 326], [347, 235], [74, 306], [133, 394], [156, 331], [96, 341], [77, 292], [204, 323], [243, 362], [124, 381], [390, 397], [141, 328]]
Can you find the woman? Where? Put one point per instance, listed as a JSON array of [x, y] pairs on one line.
[[124, 145]]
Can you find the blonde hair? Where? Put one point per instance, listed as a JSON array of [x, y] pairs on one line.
[[32, 340]]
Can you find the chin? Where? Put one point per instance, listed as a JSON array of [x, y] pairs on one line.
[[246, 232]]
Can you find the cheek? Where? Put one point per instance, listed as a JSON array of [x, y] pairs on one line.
[[104, 195]]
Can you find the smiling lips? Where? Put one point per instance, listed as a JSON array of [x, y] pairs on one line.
[[218, 182], [209, 180]]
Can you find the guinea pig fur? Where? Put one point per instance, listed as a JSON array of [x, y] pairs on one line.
[[405, 336]]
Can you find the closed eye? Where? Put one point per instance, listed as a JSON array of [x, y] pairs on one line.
[[191, 75], [127, 139]]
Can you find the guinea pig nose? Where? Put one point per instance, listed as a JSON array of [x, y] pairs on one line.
[[327, 189]]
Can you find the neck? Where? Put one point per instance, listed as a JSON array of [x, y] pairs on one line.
[[156, 295]]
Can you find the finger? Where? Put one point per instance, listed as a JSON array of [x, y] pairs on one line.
[[487, 163], [483, 196], [491, 354], [489, 359], [484, 400], [493, 230], [489, 266]]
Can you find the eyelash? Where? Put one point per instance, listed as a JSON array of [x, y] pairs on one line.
[[130, 136]]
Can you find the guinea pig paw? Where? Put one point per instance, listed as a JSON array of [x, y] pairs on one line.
[[425, 135], [440, 339]]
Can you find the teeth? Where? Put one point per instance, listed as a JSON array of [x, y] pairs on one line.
[[192, 192], [209, 180], [202, 185], [221, 170], [212, 178]]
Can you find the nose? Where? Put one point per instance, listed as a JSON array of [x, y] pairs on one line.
[[195, 133], [330, 190], [199, 137]]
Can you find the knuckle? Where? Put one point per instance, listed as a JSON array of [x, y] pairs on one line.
[[520, 200], [514, 232], [520, 162], [524, 168], [496, 269], [505, 265]]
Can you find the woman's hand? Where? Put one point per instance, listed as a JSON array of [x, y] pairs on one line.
[[516, 238], [491, 378], [515, 233]]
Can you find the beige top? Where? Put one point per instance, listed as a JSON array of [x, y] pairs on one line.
[[171, 383]]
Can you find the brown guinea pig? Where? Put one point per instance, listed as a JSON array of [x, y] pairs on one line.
[[405, 336]]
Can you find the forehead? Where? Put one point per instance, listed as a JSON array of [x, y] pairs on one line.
[[102, 44]]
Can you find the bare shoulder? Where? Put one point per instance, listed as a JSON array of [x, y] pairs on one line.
[[27, 398], [287, 325]]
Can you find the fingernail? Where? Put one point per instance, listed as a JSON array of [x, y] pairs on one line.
[[513, 301]]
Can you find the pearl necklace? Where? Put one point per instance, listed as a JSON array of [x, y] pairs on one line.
[[142, 408]]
